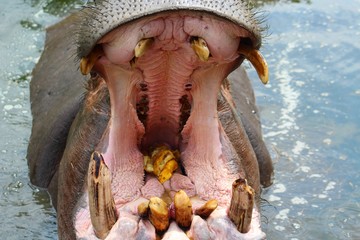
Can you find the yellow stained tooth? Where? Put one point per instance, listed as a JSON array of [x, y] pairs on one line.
[[142, 46], [205, 210], [88, 62], [257, 60], [183, 209], [167, 171], [199, 45], [158, 214], [163, 162], [148, 164], [160, 156]]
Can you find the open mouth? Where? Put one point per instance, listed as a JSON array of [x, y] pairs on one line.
[[166, 157]]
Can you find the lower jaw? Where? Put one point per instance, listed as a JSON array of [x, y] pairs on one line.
[[207, 167], [207, 178], [223, 223], [209, 172]]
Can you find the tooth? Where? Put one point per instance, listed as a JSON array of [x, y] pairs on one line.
[[142, 46], [257, 60], [160, 156], [148, 164], [88, 62], [167, 171], [199, 45], [143, 209], [164, 163], [159, 214], [241, 206], [101, 202], [205, 210], [183, 209]]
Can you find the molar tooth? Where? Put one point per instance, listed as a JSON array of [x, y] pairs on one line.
[[241, 206], [142, 46], [183, 209], [101, 202], [205, 210], [88, 62], [148, 164], [158, 214], [257, 60], [167, 171], [164, 163], [200, 47]]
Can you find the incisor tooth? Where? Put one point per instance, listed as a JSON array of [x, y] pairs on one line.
[[88, 62], [101, 202], [241, 205], [159, 214], [183, 209], [205, 210], [257, 60], [200, 47]]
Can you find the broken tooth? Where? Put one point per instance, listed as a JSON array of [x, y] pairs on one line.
[[88, 62], [142, 46], [183, 209], [158, 214], [200, 47], [101, 202], [241, 206], [205, 210], [257, 60]]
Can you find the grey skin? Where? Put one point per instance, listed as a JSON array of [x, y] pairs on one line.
[[71, 112]]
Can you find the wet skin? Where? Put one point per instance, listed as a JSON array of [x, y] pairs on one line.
[[72, 117]]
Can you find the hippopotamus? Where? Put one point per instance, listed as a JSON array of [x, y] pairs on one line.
[[145, 124]]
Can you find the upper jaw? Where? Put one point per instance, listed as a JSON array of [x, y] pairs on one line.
[[107, 15], [178, 58]]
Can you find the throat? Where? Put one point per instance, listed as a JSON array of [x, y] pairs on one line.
[[165, 75]]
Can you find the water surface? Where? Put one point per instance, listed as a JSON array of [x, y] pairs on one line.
[[310, 116]]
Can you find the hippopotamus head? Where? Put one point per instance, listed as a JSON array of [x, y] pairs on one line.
[[145, 124]]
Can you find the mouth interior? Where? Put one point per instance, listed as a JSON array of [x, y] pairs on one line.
[[168, 96]]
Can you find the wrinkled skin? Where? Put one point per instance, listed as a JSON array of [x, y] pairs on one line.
[[72, 117]]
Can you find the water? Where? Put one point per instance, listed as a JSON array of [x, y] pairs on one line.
[[309, 114]]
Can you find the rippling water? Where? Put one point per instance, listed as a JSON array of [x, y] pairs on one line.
[[310, 115]]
